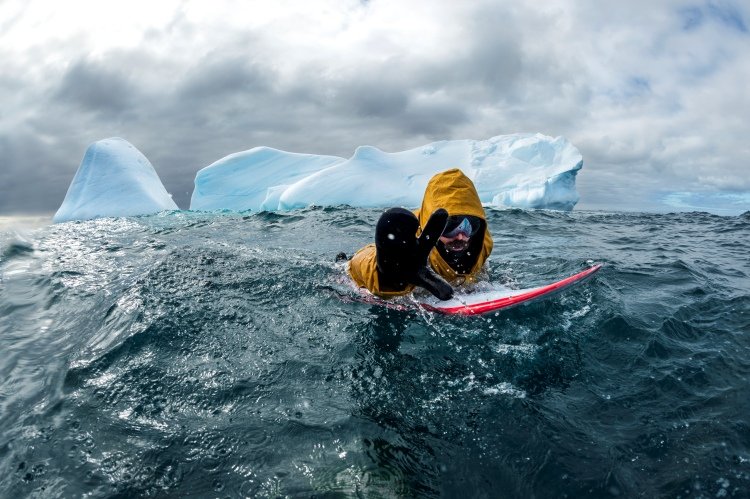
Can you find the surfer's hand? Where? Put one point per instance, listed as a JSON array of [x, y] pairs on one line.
[[433, 283], [431, 234], [427, 240], [402, 257]]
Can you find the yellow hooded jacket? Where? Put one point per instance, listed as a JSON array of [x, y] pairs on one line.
[[451, 190]]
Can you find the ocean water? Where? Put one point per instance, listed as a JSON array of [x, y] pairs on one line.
[[209, 355]]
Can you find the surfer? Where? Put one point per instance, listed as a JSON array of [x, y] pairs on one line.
[[451, 220]]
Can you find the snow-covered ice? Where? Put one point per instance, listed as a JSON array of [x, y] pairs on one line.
[[114, 179], [518, 170], [254, 179]]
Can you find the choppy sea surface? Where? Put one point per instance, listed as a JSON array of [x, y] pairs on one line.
[[206, 355]]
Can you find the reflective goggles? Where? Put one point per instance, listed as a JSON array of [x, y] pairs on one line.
[[461, 224]]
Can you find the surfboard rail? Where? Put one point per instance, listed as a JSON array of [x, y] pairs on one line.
[[522, 296]]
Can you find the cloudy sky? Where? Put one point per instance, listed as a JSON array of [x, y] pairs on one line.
[[656, 95]]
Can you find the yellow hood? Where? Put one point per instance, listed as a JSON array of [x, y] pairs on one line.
[[455, 192]]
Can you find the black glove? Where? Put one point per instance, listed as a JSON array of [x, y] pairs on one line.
[[402, 257]]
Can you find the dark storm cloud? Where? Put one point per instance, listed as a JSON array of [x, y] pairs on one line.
[[384, 101], [482, 60], [33, 177], [433, 120], [95, 87], [224, 77], [181, 118], [373, 98], [490, 57]]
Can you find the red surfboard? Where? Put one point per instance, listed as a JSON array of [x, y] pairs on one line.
[[480, 302]]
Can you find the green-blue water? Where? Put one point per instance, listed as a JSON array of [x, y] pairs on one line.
[[205, 355]]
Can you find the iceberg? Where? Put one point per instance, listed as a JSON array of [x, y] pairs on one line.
[[254, 179], [509, 171], [114, 179]]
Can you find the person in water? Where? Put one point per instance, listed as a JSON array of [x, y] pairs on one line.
[[451, 220]]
